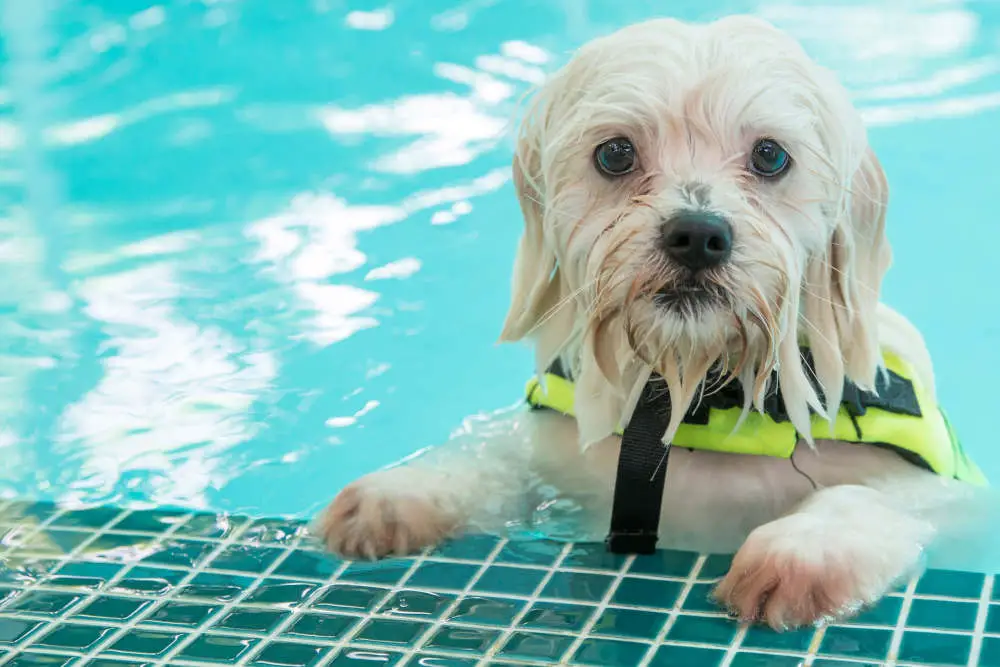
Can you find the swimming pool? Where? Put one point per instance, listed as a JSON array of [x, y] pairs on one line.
[[252, 250]]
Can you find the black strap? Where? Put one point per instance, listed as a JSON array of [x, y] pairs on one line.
[[642, 470]]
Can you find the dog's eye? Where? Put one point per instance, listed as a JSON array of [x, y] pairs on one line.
[[615, 157], [769, 159]]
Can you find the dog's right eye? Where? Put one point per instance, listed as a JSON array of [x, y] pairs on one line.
[[615, 157]]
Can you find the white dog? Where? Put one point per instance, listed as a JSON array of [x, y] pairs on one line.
[[698, 199]]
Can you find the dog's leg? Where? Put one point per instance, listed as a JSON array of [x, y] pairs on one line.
[[483, 470], [842, 549]]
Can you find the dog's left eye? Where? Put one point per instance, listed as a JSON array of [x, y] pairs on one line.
[[768, 158], [615, 157]]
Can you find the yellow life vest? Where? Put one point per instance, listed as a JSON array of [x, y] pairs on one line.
[[903, 418]]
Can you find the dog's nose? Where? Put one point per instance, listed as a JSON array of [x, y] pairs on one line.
[[697, 239]]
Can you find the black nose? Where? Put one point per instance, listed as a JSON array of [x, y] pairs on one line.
[[697, 239]]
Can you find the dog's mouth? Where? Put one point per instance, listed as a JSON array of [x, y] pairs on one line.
[[688, 295]]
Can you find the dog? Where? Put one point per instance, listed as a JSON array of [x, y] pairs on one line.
[[696, 198]]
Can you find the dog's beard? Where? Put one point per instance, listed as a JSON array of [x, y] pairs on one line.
[[682, 326]]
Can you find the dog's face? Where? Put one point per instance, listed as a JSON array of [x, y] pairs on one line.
[[697, 194]]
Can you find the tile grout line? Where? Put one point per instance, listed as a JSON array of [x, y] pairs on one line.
[[515, 622], [675, 611], [259, 577], [892, 655], [605, 602], [982, 611], [67, 559], [445, 614]]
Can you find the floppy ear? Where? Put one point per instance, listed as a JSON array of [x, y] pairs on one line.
[[535, 281], [844, 286]]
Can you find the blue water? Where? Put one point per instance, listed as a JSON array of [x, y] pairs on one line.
[[253, 249]]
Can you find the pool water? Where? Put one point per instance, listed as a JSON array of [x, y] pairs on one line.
[[251, 250]]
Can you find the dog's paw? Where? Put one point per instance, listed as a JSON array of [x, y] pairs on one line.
[[369, 519], [789, 573]]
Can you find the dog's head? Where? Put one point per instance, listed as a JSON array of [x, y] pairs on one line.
[[697, 195]]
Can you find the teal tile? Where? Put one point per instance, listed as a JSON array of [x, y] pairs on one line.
[[472, 640], [993, 619], [487, 610], [84, 575], [210, 526], [699, 598], [302, 564], [360, 657], [245, 558], [70, 637], [48, 541], [469, 547], [42, 602], [181, 553], [350, 598], [42, 660], [148, 581], [631, 623], [951, 584], [274, 531], [20, 511], [703, 629], [427, 660], [115, 547], [942, 615], [448, 576], [7, 594], [665, 564], [13, 630], [417, 604], [286, 654], [388, 631], [217, 587], [531, 552], [577, 586], [510, 580], [94, 517], [322, 626], [989, 655], [281, 593], [884, 612], [827, 662], [181, 614], [251, 620], [765, 637], [213, 648], [145, 643], [750, 659], [593, 556], [536, 646], [935, 648], [112, 608], [388, 572], [116, 663], [658, 593], [856, 642], [557, 616], [155, 521], [20, 571], [606, 652], [715, 566]]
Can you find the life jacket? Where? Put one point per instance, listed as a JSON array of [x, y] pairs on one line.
[[901, 417]]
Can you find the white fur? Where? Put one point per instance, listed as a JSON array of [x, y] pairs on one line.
[[807, 266]]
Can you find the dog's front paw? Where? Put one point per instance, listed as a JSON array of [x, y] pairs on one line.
[[794, 572], [373, 518]]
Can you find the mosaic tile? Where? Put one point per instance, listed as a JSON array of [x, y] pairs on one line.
[[943, 615], [26, 512], [217, 587], [93, 517], [148, 580], [935, 648], [510, 580], [632, 623], [766, 638], [145, 643], [577, 586], [210, 526], [536, 552], [557, 617], [350, 598], [322, 626], [389, 631], [703, 629], [989, 654], [181, 614], [69, 637], [425, 660], [951, 584], [699, 599], [284, 654], [657, 593], [487, 610], [115, 547], [251, 620], [356, 657], [593, 556], [42, 603], [417, 604], [885, 612], [14, 630], [388, 572], [993, 619], [674, 655], [83, 575], [856, 642], [280, 593], [471, 547], [715, 566], [447, 576], [829, 662], [472, 640], [751, 659], [245, 558], [213, 648], [112, 608], [665, 564], [151, 521], [604, 652], [42, 660], [180, 553], [274, 531], [536, 646], [302, 564]]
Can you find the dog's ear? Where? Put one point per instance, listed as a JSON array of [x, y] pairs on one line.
[[535, 281]]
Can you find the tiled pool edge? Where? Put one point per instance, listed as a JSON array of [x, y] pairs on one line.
[[203, 590]]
